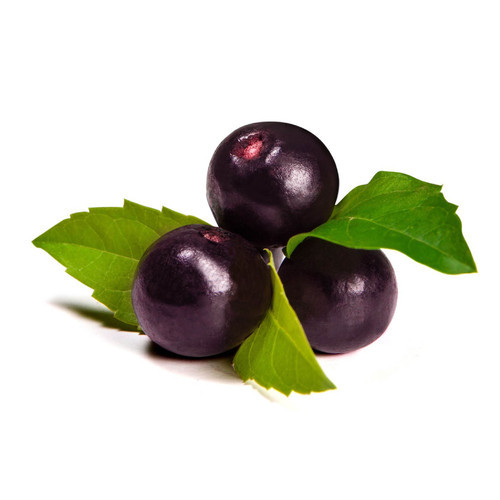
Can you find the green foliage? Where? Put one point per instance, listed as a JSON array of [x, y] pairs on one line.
[[277, 354], [102, 247], [399, 212]]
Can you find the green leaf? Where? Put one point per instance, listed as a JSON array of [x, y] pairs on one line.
[[278, 354], [402, 213], [102, 247]]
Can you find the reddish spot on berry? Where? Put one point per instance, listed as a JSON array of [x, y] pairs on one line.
[[249, 148], [216, 235]]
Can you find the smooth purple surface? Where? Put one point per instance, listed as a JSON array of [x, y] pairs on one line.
[[345, 298], [200, 290], [268, 181]]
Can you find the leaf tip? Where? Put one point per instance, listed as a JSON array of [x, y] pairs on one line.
[[128, 203], [473, 267], [38, 241], [331, 386]]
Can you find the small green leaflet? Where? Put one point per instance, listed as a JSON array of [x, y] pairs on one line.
[[277, 354], [402, 213], [102, 247]]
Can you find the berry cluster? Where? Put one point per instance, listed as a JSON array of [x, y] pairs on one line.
[[201, 290]]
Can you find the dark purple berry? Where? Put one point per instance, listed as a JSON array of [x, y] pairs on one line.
[[201, 290], [344, 298], [268, 181]]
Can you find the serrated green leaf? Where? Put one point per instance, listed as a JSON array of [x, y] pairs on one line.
[[277, 354], [102, 247], [398, 212]]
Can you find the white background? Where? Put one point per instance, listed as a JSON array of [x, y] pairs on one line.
[[105, 100]]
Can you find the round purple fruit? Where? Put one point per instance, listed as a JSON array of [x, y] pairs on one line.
[[200, 290], [344, 298], [268, 181]]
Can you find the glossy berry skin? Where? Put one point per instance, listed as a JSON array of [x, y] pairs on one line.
[[344, 298], [268, 181], [200, 290]]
